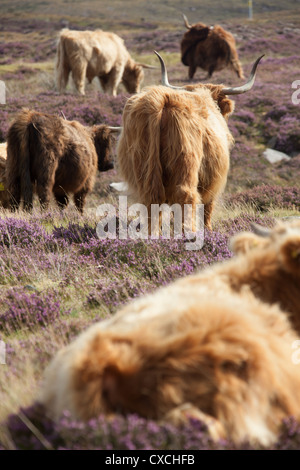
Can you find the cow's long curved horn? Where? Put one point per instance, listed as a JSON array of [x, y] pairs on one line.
[[260, 230], [115, 129], [164, 75], [242, 89], [146, 66], [187, 25]]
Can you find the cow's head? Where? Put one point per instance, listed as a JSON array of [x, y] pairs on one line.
[[281, 243], [133, 76], [103, 140], [219, 92]]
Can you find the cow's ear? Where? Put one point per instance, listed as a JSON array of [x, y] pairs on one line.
[[290, 253], [226, 105], [244, 242]]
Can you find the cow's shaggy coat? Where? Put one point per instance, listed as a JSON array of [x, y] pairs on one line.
[[49, 154], [269, 265], [89, 54], [199, 347], [210, 48]]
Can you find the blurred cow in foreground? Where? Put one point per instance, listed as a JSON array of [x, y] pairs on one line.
[[175, 143], [49, 154], [210, 48], [203, 347], [96, 54]]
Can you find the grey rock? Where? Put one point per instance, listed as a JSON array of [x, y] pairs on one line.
[[273, 156]]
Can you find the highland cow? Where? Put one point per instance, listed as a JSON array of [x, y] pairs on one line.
[[197, 348], [90, 54], [175, 143], [210, 48], [48, 154]]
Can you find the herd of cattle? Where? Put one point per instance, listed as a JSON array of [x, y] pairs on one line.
[[182, 131], [215, 346]]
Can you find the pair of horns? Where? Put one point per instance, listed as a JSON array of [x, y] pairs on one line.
[[227, 91]]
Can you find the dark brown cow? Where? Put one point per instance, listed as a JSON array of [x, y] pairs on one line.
[[54, 156], [210, 48]]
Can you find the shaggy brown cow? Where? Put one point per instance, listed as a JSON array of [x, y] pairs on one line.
[[210, 48], [193, 348], [272, 267], [96, 54], [56, 155], [175, 143]]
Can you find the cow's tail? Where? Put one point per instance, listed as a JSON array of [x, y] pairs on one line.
[[62, 68], [139, 149], [154, 190], [18, 162]]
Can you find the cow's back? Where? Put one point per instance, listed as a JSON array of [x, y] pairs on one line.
[[100, 49], [79, 158]]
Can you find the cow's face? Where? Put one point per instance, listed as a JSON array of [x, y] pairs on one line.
[[132, 78], [103, 139], [282, 243]]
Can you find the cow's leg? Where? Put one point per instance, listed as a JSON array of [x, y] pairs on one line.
[[62, 77], [208, 208], [44, 193], [188, 198], [112, 80], [62, 200], [187, 194], [103, 79], [15, 195], [78, 75], [45, 181], [192, 70], [210, 71], [80, 197]]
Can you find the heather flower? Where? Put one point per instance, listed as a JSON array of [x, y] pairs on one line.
[[120, 433], [264, 197], [74, 233], [29, 310], [131, 432], [21, 233]]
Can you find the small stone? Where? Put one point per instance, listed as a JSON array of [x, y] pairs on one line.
[[273, 156], [120, 187]]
